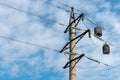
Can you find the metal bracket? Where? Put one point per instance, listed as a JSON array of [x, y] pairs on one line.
[[79, 36], [77, 19], [77, 58]]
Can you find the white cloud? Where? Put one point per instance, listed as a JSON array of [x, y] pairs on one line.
[[21, 58]]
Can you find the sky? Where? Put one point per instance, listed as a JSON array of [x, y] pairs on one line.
[[19, 61]]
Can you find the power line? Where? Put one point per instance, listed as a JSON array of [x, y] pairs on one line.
[[78, 11], [99, 62], [63, 4], [94, 43], [69, 6], [36, 45], [108, 31], [28, 43], [68, 11], [105, 41], [111, 32], [59, 7], [91, 67], [37, 16], [40, 46], [100, 38], [30, 13]]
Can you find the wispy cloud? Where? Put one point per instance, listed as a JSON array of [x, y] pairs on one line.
[[18, 60]]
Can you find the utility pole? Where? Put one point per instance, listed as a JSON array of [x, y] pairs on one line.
[[72, 35], [73, 60], [73, 40]]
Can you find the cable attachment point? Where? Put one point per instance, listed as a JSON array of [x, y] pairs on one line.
[[76, 20], [79, 37], [82, 16], [77, 58]]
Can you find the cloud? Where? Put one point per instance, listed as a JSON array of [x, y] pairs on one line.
[[17, 59]]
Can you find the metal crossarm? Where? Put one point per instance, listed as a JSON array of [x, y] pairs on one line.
[[77, 58], [79, 36], [78, 18]]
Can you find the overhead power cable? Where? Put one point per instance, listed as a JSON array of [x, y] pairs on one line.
[[28, 43], [40, 46], [94, 43], [91, 67], [91, 59], [36, 45], [105, 41], [61, 8], [77, 58], [99, 62], [78, 13], [30, 13], [68, 6], [68, 11], [100, 39]]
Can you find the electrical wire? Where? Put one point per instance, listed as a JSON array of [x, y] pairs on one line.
[[108, 31], [28, 43], [99, 62], [36, 45], [115, 67], [68, 11], [91, 38], [63, 4], [91, 67], [30, 13], [105, 41], [77, 13], [88, 19], [112, 33], [46, 19], [94, 43], [100, 39], [40, 46], [66, 5]]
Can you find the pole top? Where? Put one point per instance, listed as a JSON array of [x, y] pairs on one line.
[[72, 8]]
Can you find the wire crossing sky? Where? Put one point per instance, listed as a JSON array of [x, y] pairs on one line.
[[28, 24], [30, 13], [29, 43]]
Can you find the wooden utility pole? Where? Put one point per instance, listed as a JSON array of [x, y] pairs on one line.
[[72, 34], [73, 60]]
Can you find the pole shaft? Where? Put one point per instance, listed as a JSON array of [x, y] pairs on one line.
[[72, 34]]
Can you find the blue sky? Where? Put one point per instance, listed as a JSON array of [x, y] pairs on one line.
[[20, 61]]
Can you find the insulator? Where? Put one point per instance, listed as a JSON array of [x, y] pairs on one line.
[[106, 49], [98, 31]]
